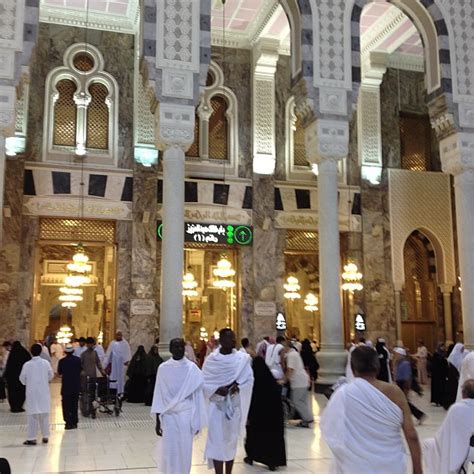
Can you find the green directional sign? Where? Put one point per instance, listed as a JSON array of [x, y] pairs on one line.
[[213, 233]]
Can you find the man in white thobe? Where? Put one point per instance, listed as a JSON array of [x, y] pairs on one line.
[[228, 383], [180, 408], [466, 373], [363, 420], [117, 357], [448, 450], [36, 375]]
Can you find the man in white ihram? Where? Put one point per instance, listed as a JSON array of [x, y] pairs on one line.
[[180, 408], [448, 450], [363, 420], [117, 357], [36, 375], [228, 383]]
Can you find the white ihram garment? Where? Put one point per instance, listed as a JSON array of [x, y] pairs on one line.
[[57, 353], [447, 451], [36, 375], [227, 415], [363, 429], [466, 373], [179, 399], [118, 354]]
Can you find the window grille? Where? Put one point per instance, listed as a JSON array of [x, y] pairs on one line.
[[218, 129], [65, 114], [98, 118], [299, 146], [415, 141], [193, 151], [77, 230]]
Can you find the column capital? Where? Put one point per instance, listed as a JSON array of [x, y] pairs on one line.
[[327, 140], [374, 66], [174, 125], [457, 153], [446, 288]]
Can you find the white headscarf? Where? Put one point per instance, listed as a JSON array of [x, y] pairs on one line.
[[457, 355]]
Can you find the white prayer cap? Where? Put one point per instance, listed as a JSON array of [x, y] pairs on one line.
[[400, 350]]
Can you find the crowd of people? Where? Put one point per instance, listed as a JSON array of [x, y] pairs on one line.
[[240, 394]]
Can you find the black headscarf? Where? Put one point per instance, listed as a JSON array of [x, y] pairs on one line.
[[153, 361], [309, 359], [137, 365], [17, 358]]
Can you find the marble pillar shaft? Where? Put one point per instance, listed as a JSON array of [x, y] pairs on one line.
[[464, 193], [448, 316], [329, 257], [142, 326], [171, 325]]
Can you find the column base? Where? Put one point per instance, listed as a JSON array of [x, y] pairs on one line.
[[332, 366], [164, 350]]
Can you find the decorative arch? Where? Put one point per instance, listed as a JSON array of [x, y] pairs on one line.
[[434, 30], [203, 164], [89, 112]]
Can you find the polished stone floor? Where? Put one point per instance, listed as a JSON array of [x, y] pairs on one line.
[[126, 444]]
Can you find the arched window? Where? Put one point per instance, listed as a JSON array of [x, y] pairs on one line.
[[218, 129], [64, 132], [215, 145], [297, 165], [81, 109]]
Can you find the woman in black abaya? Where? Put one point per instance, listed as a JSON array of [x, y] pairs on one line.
[[153, 361], [16, 390], [137, 377], [439, 376], [265, 442]]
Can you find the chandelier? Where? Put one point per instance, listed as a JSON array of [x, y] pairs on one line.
[[352, 278], [291, 288], [64, 335], [223, 273], [189, 284], [66, 290], [68, 304], [311, 302], [76, 280], [80, 261]]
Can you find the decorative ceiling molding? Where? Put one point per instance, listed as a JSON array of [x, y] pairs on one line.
[[92, 19], [383, 28], [267, 14], [408, 62]]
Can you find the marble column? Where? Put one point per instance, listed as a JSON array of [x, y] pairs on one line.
[[457, 159], [143, 322], [332, 355], [171, 325], [464, 193], [446, 290]]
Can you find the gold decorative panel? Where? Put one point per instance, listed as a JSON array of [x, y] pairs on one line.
[[299, 146], [65, 114], [299, 240], [415, 140], [98, 118], [77, 230], [218, 130]]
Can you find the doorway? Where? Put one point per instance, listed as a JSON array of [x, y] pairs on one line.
[[94, 315]]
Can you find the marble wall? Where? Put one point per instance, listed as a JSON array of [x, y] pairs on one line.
[[117, 50]]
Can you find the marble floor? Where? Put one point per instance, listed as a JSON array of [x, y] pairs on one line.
[[125, 444]]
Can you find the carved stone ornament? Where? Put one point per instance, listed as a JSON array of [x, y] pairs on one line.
[[175, 125], [457, 153], [466, 115], [327, 139], [7, 110], [333, 101], [178, 83]]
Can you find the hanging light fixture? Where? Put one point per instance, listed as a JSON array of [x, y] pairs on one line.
[[80, 261], [292, 288], [352, 278], [64, 335], [76, 280], [68, 304], [189, 284], [224, 274], [311, 302], [66, 290]]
